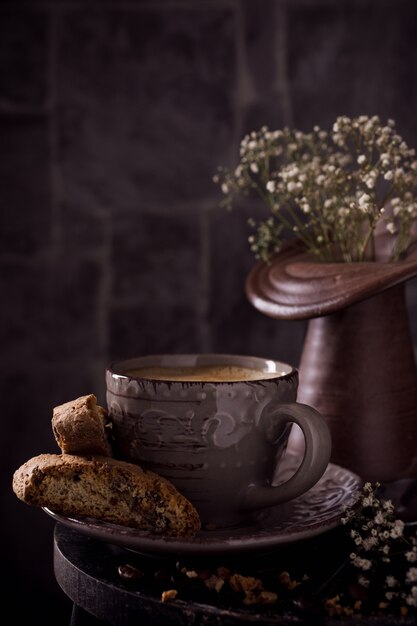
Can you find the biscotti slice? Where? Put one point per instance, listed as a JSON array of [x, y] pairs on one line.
[[82, 427], [106, 489]]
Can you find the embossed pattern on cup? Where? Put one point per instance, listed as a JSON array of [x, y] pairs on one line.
[[213, 440]]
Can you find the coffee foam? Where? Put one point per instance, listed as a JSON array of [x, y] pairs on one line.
[[203, 373]]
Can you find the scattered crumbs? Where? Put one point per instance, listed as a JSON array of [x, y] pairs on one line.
[[334, 607]]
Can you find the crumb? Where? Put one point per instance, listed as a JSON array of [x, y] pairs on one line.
[[245, 583], [286, 580], [250, 598], [261, 597], [214, 582], [223, 572], [190, 573], [170, 594]]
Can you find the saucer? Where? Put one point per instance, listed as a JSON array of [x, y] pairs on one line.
[[311, 514]]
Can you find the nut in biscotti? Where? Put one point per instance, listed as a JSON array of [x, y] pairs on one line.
[[81, 427], [106, 489]]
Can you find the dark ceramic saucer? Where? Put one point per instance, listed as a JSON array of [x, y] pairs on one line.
[[311, 514]]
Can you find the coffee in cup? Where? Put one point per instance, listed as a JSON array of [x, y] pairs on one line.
[[204, 373]]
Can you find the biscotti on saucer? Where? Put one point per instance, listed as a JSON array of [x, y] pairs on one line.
[[82, 427], [107, 489]]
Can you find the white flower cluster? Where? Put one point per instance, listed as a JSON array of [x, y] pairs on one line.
[[379, 542], [333, 190]]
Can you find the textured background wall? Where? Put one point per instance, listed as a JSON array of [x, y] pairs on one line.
[[113, 119]]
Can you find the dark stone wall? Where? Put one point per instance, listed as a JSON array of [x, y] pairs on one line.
[[113, 118]]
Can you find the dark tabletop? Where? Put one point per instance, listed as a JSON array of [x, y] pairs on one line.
[[122, 587]]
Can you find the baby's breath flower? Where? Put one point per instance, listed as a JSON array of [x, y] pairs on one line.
[[343, 211], [411, 599], [413, 594], [411, 555], [369, 542], [292, 186], [397, 529], [367, 501], [388, 505], [379, 518], [411, 575], [336, 184], [364, 564], [382, 546], [390, 595]]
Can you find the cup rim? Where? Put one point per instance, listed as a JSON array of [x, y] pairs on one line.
[[119, 368]]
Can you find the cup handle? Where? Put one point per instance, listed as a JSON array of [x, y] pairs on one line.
[[313, 465]]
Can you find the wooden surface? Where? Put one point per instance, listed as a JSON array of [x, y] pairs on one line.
[[87, 571]]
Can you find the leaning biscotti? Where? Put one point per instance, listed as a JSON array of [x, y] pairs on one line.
[[106, 489], [82, 427]]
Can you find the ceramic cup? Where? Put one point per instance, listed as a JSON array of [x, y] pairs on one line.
[[216, 426]]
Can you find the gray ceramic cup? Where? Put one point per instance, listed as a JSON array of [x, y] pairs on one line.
[[218, 438]]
